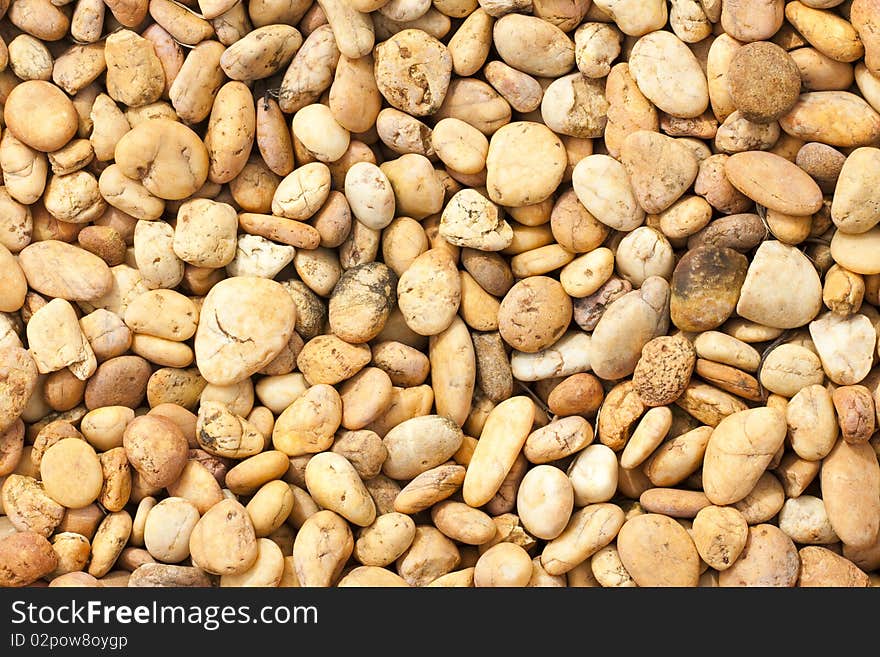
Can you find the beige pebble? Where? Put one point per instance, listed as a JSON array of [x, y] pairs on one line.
[[502, 438], [847, 476], [334, 484], [805, 520], [544, 501], [590, 529], [765, 301], [223, 540], [720, 534], [232, 342], [168, 528], [789, 368], [856, 252], [739, 450], [71, 473], [769, 559]]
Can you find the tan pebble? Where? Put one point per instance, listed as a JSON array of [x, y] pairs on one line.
[[822, 567], [749, 438], [769, 559], [223, 540], [71, 473], [720, 534], [657, 551]]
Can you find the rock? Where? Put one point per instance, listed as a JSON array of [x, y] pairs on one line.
[[856, 204], [859, 253], [429, 292], [413, 70], [669, 74], [774, 182], [770, 558], [361, 302], [657, 551], [845, 345], [764, 81], [720, 534], [805, 520], [822, 567], [782, 288], [849, 479], [627, 326], [56, 341], [534, 314], [664, 369], [472, 220], [660, 168], [575, 105], [61, 270], [18, 378], [706, 286], [789, 368], [602, 185], [244, 323], [24, 558], [328, 359], [739, 450], [513, 180]]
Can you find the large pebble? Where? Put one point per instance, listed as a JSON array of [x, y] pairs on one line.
[[657, 551], [334, 484], [18, 379], [836, 118], [328, 359], [789, 368], [845, 345], [739, 450], [669, 74], [589, 530], [805, 520], [660, 168], [244, 323], [361, 302], [472, 220], [602, 185], [774, 182], [429, 292], [664, 369], [56, 341], [223, 541], [412, 71], [856, 204], [167, 157], [782, 288], [706, 286], [627, 326], [514, 180], [812, 422], [859, 253], [720, 534], [769, 559], [419, 444], [65, 271], [534, 314], [13, 284], [501, 440], [822, 567], [849, 480], [24, 558]]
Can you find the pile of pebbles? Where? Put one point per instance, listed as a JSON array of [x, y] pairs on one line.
[[439, 293]]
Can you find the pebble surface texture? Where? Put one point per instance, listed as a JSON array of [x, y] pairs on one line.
[[403, 293]]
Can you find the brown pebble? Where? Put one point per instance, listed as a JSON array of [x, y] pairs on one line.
[[120, 381], [764, 81]]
